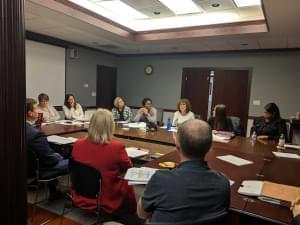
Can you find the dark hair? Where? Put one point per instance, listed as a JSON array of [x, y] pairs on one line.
[[186, 102], [220, 117], [195, 138], [67, 103], [274, 110], [44, 97], [145, 100], [30, 102]]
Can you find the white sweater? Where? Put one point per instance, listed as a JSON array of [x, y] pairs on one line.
[[179, 118]]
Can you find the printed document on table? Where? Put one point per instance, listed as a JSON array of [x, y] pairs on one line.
[[142, 174], [286, 155], [61, 140], [234, 160], [134, 152]]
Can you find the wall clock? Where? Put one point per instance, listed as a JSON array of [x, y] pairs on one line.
[[148, 70]]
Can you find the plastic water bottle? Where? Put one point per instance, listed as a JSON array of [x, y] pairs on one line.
[[169, 124], [254, 136], [281, 141]]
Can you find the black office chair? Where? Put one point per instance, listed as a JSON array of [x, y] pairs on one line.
[[212, 220], [237, 126], [86, 182], [35, 178]]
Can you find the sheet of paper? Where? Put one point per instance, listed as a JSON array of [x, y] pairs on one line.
[[69, 122], [136, 125], [251, 187], [139, 174], [286, 155], [292, 146], [221, 139], [134, 152], [61, 140], [234, 160]]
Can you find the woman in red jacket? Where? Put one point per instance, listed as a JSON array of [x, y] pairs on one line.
[[110, 158]]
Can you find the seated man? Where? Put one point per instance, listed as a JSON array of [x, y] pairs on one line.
[[191, 191], [51, 163]]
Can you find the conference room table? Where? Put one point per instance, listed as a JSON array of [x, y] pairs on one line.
[[265, 165]]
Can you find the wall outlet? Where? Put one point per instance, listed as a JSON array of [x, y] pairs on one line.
[[256, 102], [93, 94], [86, 85]]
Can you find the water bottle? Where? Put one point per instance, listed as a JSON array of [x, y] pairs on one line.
[[254, 136], [169, 124], [281, 141]]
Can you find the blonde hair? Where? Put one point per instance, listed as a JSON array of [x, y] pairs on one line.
[[116, 100], [101, 126]]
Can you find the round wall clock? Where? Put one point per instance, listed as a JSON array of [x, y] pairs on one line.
[[148, 70]]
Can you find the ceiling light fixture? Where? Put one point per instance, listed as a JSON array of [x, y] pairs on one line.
[[182, 6], [245, 3], [156, 13], [215, 5]]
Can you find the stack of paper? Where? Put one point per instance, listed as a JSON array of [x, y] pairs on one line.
[[139, 175], [292, 146], [69, 122], [137, 125], [219, 138], [286, 155], [234, 160], [134, 152], [61, 140]]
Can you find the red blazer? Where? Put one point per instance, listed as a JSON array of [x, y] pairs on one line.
[[112, 161]]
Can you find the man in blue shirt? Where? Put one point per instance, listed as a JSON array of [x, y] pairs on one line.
[[191, 191]]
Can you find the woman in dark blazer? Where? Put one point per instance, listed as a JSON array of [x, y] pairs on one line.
[[270, 125], [110, 159], [219, 120]]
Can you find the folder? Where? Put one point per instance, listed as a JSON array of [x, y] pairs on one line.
[[271, 192]]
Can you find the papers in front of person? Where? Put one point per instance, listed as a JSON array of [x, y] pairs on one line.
[[286, 155], [234, 160], [292, 146], [69, 122], [136, 125], [220, 139], [274, 193], [134, 152], [222, 136], [61, 140], [139, 175]]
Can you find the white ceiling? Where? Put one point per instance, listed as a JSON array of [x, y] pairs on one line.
[[282, 17]]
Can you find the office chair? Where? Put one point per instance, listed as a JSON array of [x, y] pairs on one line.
[[212, 220], [237, 126], [35, 179], [86, 182]]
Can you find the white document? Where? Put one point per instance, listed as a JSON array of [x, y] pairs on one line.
[[286, 155], [251, 187], [69, 122], [292, 146], [134, 152], [140, 175], [61, 140], [234, 160], [221, 139], [137, 125]]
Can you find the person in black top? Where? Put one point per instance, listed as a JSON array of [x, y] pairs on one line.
[[296, 212], [219, 120], [191, 191], [51, 163], [270, 125]]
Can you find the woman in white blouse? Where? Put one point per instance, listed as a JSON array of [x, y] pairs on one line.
[[49, 112], [184, 112], [72, 109]]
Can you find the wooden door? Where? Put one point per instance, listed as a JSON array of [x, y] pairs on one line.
[[106, 86], [231, 87], [195, 87]]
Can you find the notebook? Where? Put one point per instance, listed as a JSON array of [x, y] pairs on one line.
[[271, 192]]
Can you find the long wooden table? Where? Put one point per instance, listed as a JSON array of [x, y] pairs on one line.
[[265, 166]]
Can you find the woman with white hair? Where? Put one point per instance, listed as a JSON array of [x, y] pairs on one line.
[[110, 159], [121, 112]]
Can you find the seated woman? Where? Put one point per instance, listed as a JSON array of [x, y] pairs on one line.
[[183, 113], [270, 125], [110, 159], [147, 113], [121, 112], [219, 120], [72, 109], [49, 112]]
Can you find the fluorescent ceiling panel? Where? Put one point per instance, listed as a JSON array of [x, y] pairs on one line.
[[181, 6], [244, 3]]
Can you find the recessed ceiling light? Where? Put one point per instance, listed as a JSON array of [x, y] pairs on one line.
[[156, 13], [215, 5], [244, 3], [182, 6]]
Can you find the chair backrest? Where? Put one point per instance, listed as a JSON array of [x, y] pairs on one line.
[[86, 180], [212, 220], [237, 126], [88, 114]]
